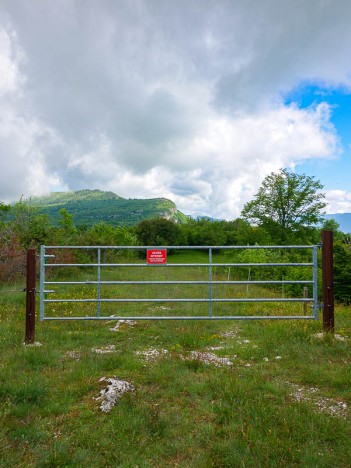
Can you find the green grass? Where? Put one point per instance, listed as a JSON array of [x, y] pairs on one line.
[[183, 412]]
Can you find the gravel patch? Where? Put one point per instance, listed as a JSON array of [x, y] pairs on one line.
[[73, 355], [104, 350], [229, 334], [323, 404], [152, 355], [208, 358], [336, 336]]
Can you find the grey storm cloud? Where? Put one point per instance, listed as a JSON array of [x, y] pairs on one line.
[[153, 98]]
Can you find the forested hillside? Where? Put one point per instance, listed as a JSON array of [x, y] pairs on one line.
[[89, 207]]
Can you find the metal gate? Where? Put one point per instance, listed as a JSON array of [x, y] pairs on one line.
[[215, 277]]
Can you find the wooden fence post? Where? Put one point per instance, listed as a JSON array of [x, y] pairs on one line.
[[328, 281], [30, 296]]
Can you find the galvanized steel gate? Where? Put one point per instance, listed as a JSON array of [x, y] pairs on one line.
[[50, 261]]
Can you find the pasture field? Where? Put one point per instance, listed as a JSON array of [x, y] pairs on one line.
[[204, 393]]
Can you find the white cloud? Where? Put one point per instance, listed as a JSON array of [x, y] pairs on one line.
[[24, 145], [25, 141], [172, 99], [221, 166], [10, 55], [338, 201]]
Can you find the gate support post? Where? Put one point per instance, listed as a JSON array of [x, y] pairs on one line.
[[30, 297], [328, 281]]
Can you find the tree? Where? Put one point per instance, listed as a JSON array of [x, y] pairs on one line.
[[66, 222], [4, 209], [204, 232], [21, 227], [158, 231], [106, 234], [24, 221], [287, 206], [342, 272]]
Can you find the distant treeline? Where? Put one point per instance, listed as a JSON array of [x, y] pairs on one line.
[[23, 226]]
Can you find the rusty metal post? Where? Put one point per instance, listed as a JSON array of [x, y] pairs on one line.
[[30, 297], [328, 281]]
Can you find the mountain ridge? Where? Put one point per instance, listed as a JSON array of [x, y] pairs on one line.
[[89, 207]]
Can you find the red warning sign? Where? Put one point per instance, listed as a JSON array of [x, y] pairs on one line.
[[157, 256]]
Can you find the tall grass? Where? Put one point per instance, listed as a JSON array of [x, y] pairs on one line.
[[284, 401]]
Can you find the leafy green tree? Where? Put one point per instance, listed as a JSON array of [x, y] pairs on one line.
[[21, 226], [258, 256], [66, 222], [332, 225], [204, 232], [342, 272], [208, 232], [4, 209], [124, 236], [24, 221], [287, 205], [238, 232], [158, 232], [100, 234], [67, 233], [106, 234]]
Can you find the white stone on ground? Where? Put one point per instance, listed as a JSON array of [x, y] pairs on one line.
[[110, 395]]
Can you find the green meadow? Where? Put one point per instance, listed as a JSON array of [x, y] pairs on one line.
[[206, 393]]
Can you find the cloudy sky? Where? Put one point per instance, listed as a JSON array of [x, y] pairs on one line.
[[194, 100]]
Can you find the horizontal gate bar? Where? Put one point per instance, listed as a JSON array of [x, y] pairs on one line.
[[184, 300], [179, 282], [187, 317], [179, 247], [175, 264]]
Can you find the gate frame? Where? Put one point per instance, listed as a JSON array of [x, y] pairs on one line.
[[327, 288], [210, 300]]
